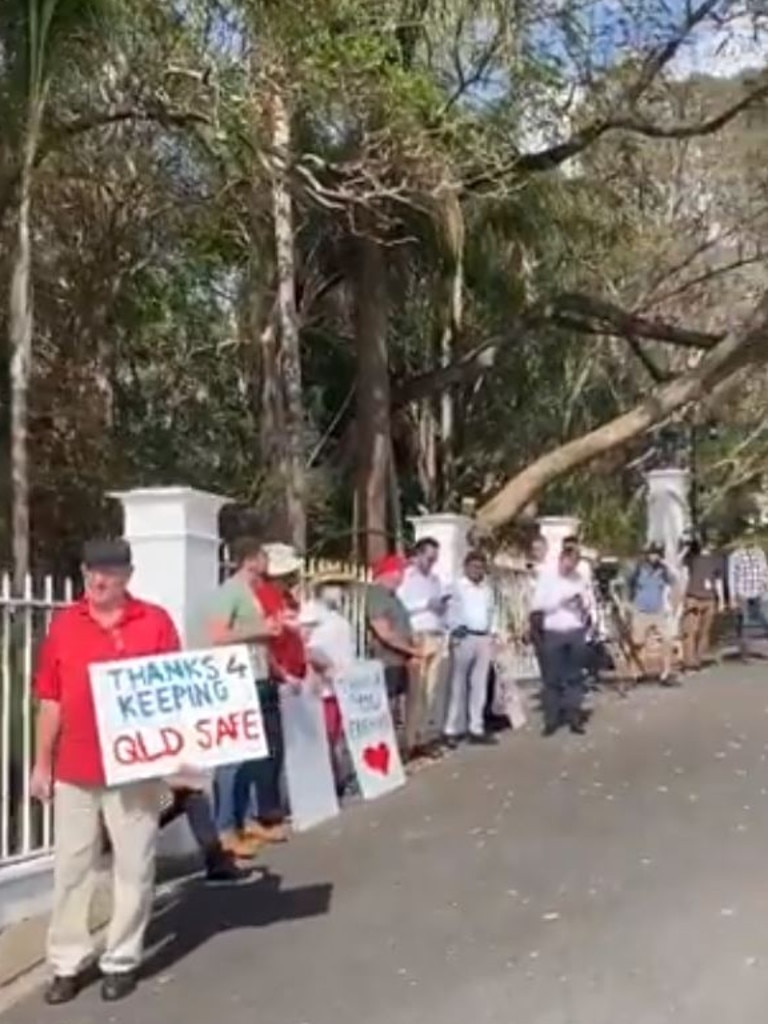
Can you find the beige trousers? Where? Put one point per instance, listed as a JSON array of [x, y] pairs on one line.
[[131, 817], [423, 690]]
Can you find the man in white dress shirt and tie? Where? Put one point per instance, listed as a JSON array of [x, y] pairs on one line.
[[470, 619], [562, 597]]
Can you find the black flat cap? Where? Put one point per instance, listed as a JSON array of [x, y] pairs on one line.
[[107, 554]]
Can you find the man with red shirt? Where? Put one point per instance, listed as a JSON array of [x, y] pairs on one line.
[[287, 663], [107, 624]]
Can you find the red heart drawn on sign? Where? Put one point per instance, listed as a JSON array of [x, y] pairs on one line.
[[377, 758]]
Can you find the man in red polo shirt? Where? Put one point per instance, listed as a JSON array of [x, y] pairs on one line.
[[107, 624]]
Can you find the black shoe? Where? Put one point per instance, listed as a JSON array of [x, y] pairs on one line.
[[62, 990], [497, 723], [577, 727], [118, 986], [220, 867], [550, 729], [451, 742], [670, 681], [482, 739]]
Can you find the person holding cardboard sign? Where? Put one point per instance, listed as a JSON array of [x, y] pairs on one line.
[[235, 615], [106, 625], [389, 629]]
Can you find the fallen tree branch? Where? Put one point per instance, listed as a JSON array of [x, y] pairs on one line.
[[732, 354]]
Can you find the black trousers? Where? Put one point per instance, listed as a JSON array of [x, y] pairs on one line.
[[562, 663], [267, 773]]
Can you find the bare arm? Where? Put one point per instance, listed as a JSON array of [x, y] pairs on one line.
[[48, 727], [387, 636], [220, 633], [47, 690]]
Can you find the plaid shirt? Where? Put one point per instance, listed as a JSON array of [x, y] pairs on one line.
[[747, 573]]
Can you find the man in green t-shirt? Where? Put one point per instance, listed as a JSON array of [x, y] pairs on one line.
[[389, 627], [235, 616]]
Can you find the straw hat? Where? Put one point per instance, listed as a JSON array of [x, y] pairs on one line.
[[282, 560]]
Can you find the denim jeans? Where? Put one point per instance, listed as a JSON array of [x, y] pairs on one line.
[[197, 807], [232, 784], [751, 612], [268, 772]]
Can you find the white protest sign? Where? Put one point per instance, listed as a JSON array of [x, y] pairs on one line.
[[190, 710], [368, 729], [308, 772]]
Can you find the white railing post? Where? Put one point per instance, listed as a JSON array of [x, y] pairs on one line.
[[26, 834]]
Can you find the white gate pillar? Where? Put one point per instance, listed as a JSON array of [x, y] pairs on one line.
[[554, 530], [174, 538], [669, 512]]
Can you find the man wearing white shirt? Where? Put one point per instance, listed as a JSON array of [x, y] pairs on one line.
[[470, 618], [422, 594], [561, 597]]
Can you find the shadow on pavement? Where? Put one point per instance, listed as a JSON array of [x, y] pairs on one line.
[[196, 912]]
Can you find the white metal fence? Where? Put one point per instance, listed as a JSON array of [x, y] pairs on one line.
[[25, 828]]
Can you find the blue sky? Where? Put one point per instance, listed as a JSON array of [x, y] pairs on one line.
[[603, 30]]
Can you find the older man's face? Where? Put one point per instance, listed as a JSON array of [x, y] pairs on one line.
[[105, 588]]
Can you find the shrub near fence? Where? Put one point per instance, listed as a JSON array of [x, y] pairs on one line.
[[25, 828]]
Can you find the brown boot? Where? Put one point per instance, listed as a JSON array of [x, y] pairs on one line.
[[254, 830], [239, 845]]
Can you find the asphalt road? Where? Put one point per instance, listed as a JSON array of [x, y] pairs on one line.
[[618, 878]]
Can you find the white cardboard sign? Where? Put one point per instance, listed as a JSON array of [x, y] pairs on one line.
[[308, 772], [189, 710], [368, 729]]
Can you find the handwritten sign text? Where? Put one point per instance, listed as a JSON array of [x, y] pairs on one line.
[[193, 709], [368, 729]]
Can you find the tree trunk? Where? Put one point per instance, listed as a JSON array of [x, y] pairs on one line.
[[374, 443], [448, 347], [292, 461], [21, 322], [426, 452], [725, 359]]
